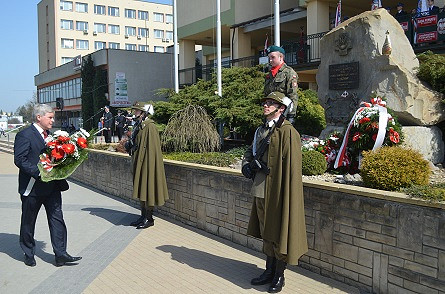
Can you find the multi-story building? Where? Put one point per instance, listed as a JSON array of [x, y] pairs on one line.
[[247, 24], [71, 28]]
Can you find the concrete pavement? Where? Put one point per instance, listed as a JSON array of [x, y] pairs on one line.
[[167, 258]]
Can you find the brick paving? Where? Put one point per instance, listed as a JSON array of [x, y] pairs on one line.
[[167, 258]]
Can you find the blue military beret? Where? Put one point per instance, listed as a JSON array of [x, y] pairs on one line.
[[275, 48]]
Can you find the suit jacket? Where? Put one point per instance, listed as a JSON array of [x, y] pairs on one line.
[[28, 146]]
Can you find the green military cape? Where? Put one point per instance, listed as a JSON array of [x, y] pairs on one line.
[[284, 204], [149, 183]]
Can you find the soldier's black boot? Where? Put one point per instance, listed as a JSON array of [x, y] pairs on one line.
[[267, 276], [148, 221], [141, 218], [278, 280]]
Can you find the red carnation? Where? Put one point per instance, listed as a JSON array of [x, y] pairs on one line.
[[68, 148], [356, 136], [394, 136], [51, 144], [364, 120], [82, 142], [57, 153], [63, 139]]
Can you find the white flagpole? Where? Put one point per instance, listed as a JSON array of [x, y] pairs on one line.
[[277, 23], [218, 46], [175, 48]]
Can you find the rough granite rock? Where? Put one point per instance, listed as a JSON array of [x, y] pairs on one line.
[[360, 39]]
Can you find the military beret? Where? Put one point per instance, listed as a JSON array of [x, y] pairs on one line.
[[275, 48], [400, 4]]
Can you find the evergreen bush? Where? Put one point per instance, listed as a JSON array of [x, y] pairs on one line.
[[432, 70], [393, 168], [310, 117], [313, 163]]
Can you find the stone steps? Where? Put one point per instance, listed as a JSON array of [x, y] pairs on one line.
[[6, 146]]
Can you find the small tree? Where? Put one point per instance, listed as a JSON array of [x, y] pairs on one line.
[[100, 89], [26, 110], [190, 129], [87, 75]]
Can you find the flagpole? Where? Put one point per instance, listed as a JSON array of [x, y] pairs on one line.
[[277, 23], [218, 46], [175, 48]]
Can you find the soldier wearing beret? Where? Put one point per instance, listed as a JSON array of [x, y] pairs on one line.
[[273, 162], [400, 12], [281, 78], [149, 183]]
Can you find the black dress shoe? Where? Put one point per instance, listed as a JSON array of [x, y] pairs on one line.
[[66, 258], [137, 222], [30, 261], [146, 223]]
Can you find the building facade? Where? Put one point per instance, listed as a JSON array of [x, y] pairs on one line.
[[68, 29], [141, 73]]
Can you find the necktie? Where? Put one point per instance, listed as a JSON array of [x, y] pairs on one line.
[[45, 135]]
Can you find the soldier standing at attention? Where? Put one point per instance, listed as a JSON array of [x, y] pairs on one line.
[[281, 78], [273, 162]]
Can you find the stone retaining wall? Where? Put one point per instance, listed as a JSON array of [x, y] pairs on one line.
[[378, 241]]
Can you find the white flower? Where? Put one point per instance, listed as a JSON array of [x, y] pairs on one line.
[[61, 133], [84, 133]]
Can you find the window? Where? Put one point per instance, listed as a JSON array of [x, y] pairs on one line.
[[113, 11], [158, 17], [81, 7], [67, 59], [82, 44], [130, 13], [169, 18], [169, 35], [113, 29], [99, 9], [67, 43], [99, 27], [143, 32], [99, 45], [112, 45], [130, 47], [66, 24], [130, 31], [143, 14], [159, 49], [81, 25], [66, 5], [143, 48], [159, 34]]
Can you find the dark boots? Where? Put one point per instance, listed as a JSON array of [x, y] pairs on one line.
[[278, 279], [141, 218], [267, 276], [148, 221]]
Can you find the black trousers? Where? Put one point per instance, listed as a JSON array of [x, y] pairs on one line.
[[57, 228], [119, 132], [107, 135]]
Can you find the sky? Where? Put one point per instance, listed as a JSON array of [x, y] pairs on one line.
[[20, 52]]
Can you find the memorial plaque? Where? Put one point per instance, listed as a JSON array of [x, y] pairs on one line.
[[343, 76]]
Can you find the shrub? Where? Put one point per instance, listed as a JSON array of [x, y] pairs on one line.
[[434, 192], [392, 168], [313, 163], [310, 118], [432, 70]]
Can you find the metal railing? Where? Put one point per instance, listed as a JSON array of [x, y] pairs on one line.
[[302, 52]]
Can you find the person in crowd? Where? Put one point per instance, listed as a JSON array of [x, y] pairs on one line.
[[281, 78], [2, 132], [400, 12], [149, 182], [273, 162], [28, 145], [119, 122], [108, 124], [432, 8]]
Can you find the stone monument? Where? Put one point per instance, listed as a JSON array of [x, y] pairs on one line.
[[353, 66]]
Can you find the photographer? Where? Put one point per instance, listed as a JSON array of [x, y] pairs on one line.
[[149, 183], [273, 162]]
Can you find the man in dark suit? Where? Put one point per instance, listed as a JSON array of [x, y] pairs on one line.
[[400, 12], [432, 8], [28, 145], [108, 124]]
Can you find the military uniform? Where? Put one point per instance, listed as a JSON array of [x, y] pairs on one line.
[[277, 214]]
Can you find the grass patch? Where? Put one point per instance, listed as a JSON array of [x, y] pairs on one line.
[[221, 159], [433, 193]]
